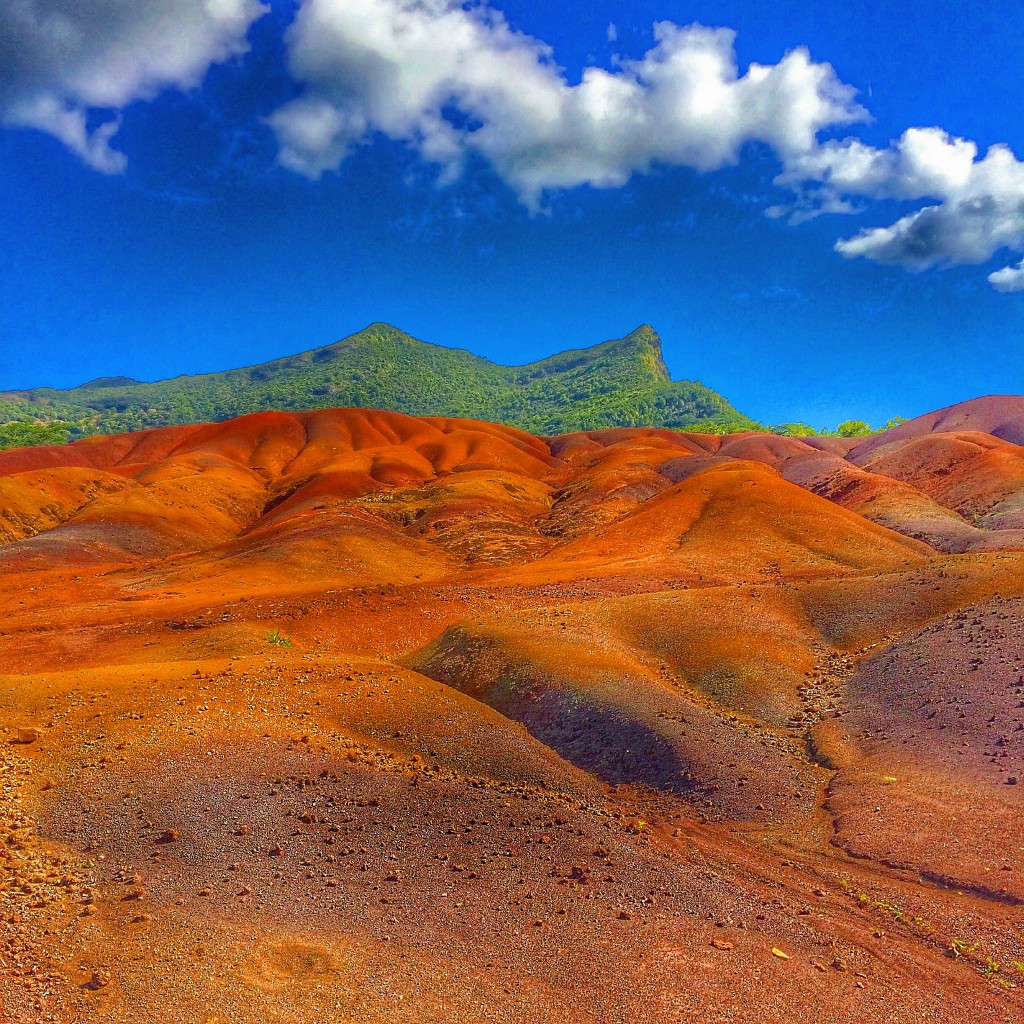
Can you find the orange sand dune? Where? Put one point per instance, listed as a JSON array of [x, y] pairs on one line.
[[354, 716]]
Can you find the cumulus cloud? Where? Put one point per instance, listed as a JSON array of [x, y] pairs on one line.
[[953, 233], [922, 162], [65, 61], [451, 81], [1009, 279], [979, 209]]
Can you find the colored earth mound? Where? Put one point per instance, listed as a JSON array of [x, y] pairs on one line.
[[349, 715]]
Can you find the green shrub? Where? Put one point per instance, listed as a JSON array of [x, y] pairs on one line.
[[275, 636]]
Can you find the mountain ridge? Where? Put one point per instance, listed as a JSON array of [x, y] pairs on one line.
[[620, 382], [644, 334]]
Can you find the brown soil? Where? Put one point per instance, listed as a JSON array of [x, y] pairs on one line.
[[351, 716]]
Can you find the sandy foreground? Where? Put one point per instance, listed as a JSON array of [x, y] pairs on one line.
[[351, 716]]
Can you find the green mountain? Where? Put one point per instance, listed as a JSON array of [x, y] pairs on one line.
[[617, 383]]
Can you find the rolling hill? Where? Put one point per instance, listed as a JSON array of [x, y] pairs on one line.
[[617, 383], [348, 715]]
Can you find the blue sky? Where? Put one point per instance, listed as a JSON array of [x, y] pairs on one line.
[[274, 184]]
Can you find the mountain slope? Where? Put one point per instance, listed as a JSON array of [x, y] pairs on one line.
[[617, 383]]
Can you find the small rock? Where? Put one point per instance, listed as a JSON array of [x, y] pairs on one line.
[[778, 952], [722, 944], [100, 979], [29, 734]]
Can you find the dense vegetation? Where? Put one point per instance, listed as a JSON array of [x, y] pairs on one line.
[[22, 434], [617, 383], [848, 428]]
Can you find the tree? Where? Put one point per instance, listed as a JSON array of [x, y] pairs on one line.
[[853, 428], [796, 430], [28, 435]]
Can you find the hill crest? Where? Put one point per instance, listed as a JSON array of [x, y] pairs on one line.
[[620, 382]]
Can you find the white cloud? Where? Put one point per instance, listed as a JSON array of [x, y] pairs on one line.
[[453, 80], [954, 233], [1009, 279], [613, 32], [979, 209], [450, 81], [64, 59], [922, 162]]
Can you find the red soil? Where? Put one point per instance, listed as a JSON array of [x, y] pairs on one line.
[[586, 728]]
